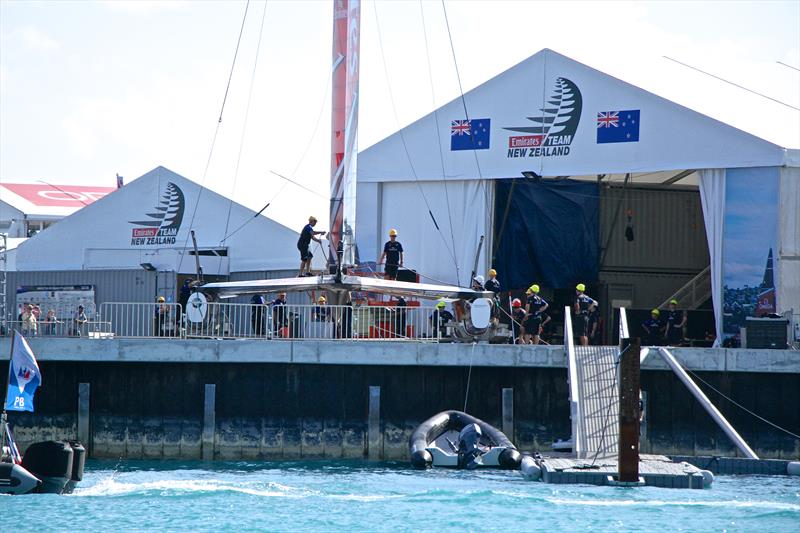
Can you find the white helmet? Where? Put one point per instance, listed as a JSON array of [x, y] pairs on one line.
[[479, 279]]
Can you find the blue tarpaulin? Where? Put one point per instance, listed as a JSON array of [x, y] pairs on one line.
[[546, 232]]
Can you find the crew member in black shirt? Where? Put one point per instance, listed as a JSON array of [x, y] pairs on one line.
[[653, 328], [675, 320], [583, 307], [306, 236], [493, 284], [393, 252], [534, 314]]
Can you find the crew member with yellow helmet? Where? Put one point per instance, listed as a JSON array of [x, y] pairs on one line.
[[493, 284], [583, 306], [535, 307], [306, 236], [653, 328], [393, 252]]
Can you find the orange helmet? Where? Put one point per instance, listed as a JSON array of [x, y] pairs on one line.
[[516, 302]]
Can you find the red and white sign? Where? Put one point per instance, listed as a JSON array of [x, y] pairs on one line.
[[58, 195]]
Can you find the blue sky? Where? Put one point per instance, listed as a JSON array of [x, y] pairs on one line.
[[88, 89]]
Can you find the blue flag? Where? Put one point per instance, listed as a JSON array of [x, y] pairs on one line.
[[470, 134], [618, 126], [23, 376]]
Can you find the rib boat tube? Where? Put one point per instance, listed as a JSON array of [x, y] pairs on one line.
[[53, 467], [457, 440]]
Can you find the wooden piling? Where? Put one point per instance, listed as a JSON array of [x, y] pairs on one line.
[[629, 411]]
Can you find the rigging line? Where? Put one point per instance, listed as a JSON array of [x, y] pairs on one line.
[[438, 136], [69, 195], [743, 408], [293, 182], [787, 65], [469, 375], [400, 132], [734, 84], [213, 140], [463, 100], [297, 166], [244, 125]]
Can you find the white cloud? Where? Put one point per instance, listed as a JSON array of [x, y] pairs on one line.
[[34, 38]]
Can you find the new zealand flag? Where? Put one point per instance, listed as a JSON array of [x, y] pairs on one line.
[[618, 126], [470, 134]]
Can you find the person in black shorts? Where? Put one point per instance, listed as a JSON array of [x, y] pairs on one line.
[[534, 314], [675, 320], [518, 319], [583, 307], [306, 236], [393, 252], [654, 329]]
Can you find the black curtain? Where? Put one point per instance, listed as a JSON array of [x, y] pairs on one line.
[[546, 232]]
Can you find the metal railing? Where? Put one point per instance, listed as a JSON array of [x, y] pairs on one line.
[[132, 319], [93, 329], [696, 291]]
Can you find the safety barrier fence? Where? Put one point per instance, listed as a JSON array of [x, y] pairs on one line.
[[221, 320], [93, 329]]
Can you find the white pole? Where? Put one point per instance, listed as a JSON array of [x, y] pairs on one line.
[[572, 367], [706, 403]]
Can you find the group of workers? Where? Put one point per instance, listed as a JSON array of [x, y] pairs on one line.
[[668, 329]]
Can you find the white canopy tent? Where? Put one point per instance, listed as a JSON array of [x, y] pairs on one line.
[[551, 116], [148, 221]]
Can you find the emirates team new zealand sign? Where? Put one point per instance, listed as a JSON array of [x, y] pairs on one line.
[[555, 129], [165, 220]]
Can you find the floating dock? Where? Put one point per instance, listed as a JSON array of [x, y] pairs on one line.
[[654, 470]]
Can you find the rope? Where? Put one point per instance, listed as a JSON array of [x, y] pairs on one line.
[[438, 135], [244, 126], [402, 137], [469, 376], [743, 408], [214, 139]]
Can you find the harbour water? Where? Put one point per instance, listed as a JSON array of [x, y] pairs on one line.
[[360, 496]]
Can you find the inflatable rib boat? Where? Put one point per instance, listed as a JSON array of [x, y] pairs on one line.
[[53, 467], [457, 440]]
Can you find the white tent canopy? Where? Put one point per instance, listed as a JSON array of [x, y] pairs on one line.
[[551, 116], [148, 221]]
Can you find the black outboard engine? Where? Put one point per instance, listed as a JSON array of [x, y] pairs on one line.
[[469, 447], [51, 461], [78, 462]]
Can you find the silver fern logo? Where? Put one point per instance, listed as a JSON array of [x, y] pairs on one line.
[[551, 133], [164, 222]]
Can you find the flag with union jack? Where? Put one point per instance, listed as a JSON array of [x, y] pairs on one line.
[[618, 126], [470, 134]]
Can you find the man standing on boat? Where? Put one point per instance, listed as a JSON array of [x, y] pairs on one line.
[[393, 252], [306, 236]]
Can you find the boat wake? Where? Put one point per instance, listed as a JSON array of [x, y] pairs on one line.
[[733, 504]]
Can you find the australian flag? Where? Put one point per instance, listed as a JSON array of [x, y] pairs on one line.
[[618, 126], [470, 134], [23, 376]]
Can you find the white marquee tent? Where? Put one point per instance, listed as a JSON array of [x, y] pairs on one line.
[[148, 221], [555, 117]]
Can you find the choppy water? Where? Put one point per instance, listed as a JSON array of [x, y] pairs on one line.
[[348, 496]]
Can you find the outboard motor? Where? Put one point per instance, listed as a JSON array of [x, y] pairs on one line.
[[469, 447], [78, 462], [50, 461]]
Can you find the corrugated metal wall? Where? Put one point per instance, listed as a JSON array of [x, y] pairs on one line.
[[669, 233], [110, 285]]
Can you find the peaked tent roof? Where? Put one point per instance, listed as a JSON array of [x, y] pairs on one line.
[[555, 116], [149, 219]]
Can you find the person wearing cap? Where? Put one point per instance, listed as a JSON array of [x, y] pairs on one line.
[[493, 284], [258, 315], [160, 316], [306, 236], [321, 312], [279, 316], [518, 319], [393, 253], [583, 307], [78, 321], [653, 328], [675, 321], [440, 318], [477, 283], [535, 306]]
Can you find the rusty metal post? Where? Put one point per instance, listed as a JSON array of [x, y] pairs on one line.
[[629, 411]]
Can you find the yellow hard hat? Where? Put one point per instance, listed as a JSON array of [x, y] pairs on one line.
[[312, 218], [534, 288], [440, 304], [321, 299], [655, 312], [161, 299], [674, 302], [581, 287], [492, 272], [392, 232]]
